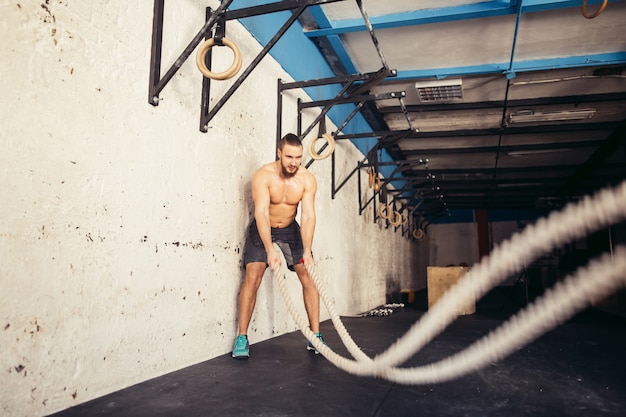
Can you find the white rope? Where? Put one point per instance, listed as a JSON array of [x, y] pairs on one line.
[[348, 342], [573, 222], [600, 279], [556, 306]]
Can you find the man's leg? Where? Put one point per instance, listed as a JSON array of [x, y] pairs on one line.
[[247, 293], [311, 297], [247, 299]]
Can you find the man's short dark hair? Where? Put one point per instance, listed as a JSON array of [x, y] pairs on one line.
[[290, 139]]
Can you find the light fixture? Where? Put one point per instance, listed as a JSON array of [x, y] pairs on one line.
[[440, 90], [520, 184], [536, 152], [530, 116]]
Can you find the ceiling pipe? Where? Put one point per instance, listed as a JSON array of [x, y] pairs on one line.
[[370, 29], [510, 74]]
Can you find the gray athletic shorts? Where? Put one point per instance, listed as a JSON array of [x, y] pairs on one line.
[[287, 238]]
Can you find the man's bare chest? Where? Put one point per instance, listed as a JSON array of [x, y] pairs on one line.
[[286, 192]]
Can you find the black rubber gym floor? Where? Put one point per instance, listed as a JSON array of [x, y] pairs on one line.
[[578, 369]]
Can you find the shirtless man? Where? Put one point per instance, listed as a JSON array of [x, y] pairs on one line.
[[277, 189]]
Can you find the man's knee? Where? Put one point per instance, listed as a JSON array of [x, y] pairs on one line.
[[305, 278], [254, 273]]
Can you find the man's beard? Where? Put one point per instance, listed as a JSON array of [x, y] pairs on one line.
[[288, 174]]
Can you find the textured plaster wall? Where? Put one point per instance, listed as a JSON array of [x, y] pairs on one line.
[[453, 243], [122, 226]]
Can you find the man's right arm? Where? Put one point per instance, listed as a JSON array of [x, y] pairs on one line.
[[261, 198]]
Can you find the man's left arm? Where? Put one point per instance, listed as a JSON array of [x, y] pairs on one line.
[[307, 228]]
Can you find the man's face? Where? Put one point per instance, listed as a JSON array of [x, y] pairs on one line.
[[290, 159]]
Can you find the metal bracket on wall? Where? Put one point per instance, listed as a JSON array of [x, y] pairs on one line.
[[411, 203], [368, 80], [428, 198], [344, 96], [389, 139], [383, 140], [297, 7], [382, 191], [346, 80]]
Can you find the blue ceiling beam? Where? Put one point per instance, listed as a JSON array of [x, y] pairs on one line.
[[448, 14], [323, 22], [294, 49], [614, 58], [414, 18]]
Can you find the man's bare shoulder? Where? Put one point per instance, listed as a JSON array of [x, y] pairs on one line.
[[265, 171], [307, 177]]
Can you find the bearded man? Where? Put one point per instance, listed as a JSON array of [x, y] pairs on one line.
[[278, 188]]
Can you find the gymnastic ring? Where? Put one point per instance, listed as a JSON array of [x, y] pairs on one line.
[[382, 213], [418, 234], [329, 151], [230, 72], [370, 172], [397, 219], [405, 219], [597, 13], [377, 183]]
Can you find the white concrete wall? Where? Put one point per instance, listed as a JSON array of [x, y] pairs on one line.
[[453, 243], [456, 243], [122, 225], [501, 231]]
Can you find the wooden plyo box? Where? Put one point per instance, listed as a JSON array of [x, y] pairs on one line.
[[440, 279]]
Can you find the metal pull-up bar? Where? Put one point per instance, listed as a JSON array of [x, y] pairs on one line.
[[219, 16]]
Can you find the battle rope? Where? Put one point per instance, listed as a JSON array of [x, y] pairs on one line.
[[573, 222], [599, 279]]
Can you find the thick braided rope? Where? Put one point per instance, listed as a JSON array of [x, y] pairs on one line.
[[556, 306], [574, 221], [599, 279], [279, 276], [604, 276], [348, 342]]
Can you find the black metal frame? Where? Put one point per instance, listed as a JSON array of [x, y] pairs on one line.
[[354, 87], [351, 93], [216, 19]]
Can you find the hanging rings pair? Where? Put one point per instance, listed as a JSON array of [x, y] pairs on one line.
[[374, 179], [331, 147], [395, 218], [204, 49]]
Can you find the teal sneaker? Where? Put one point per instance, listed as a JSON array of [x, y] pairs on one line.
[[242, 347], [309, 345]]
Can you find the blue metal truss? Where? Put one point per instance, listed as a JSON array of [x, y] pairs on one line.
[[448, 14], [332, 30]]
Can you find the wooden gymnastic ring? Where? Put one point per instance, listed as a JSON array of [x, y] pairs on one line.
[[230, 72], [331, 147], [418, 234], [397, 219], [597, 13], [405, 219], [370, 172], [383, 214], [377, 183]]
